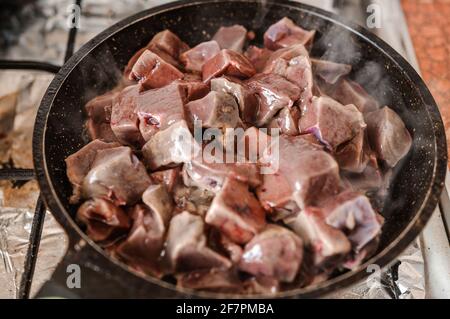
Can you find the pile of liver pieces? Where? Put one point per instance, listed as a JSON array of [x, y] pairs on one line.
[[149, 197]]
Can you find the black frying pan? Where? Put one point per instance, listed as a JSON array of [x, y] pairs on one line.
[[97, 66]]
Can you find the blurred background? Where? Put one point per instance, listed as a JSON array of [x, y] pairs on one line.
[[40, 31]]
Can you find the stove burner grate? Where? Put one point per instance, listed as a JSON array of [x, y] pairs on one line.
[[17, 175]]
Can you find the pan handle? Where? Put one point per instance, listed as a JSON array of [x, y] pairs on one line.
[[85, 273]]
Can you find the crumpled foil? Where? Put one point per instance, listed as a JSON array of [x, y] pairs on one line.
[[20, 94]]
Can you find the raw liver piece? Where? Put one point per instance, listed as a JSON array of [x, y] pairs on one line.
[[170, 147], [329, 71], [103, 219], [168, 177], [116, 174], [194, 58], [210, 173], [276, 252], [388, 135], [329, 245], [160, 108], [247, 101], [160, 203], [186, 248], [124, 119], [193, 88], [274, 93], [258, 57], [166, 45], [302, 173], [287, 121], [354, 155], [347, 92], [227, 62], [153, 72], [331, 122], [236, 212], [352, 213], [232, 38], [78, 165], [169, 43], [286, 33], [217, 109], [142, 247]]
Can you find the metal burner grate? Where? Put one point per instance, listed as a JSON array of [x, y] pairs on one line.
[[18, 174]]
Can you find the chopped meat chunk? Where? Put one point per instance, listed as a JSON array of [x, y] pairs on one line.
[[160, 108], [104, 220], [210, 173], [132, 61], [194, 58], [232, 38], [285, 33], [287, 54], [99, 108], [143, 245], [169, 43], [370, 179], [274, 93], [99, 112], [217, 109], [157, 198], [298, 71], [236, 212], [332, 123], [227, 62], [186, 248], [116, 174], [287, 121], [247, 101], [258, 57], [233, 250], [275, 252], [78, 165], [164, 44], [217, 280], [101, 131], [388, 135], [353, 214], [192, 199], [153, 72], [349, 92], [329, 245], [168, 177], [173, 146], [193, 88], [330, 72], [367, 251], [353, 155], [124, 119], [302, 173]]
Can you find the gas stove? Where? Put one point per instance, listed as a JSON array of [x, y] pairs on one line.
[[40, 36]]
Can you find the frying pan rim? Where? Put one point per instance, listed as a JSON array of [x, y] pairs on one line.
[[383, 258]]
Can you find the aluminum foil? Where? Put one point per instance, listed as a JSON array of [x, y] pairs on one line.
[[20, 94]]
